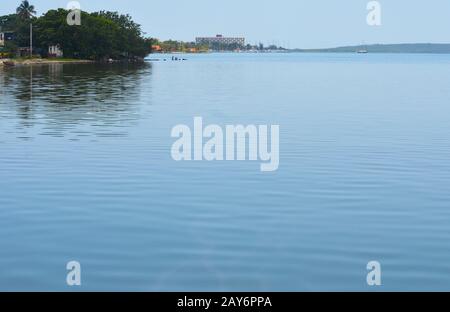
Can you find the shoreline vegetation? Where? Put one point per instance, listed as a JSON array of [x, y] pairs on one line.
[[173, 46], [100, 36]]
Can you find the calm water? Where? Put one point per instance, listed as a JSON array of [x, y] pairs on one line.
[[86, 175]]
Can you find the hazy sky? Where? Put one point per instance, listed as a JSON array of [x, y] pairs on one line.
[[291, 23]]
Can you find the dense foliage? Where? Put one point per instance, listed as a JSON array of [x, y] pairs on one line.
[[101, 35], [180, 46]]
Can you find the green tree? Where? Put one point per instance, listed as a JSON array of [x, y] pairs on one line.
[[8, 22], [25, 10], [101, 36]]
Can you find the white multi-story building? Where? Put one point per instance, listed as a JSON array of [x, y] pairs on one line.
[[219, 39]]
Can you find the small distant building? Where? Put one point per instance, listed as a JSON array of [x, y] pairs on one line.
[[55, 51], [221, 40], [156, 48], [6, 36]]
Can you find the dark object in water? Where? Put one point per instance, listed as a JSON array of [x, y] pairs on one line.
[[8, 63]]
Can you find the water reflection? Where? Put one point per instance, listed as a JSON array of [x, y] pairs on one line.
[[69, 97]]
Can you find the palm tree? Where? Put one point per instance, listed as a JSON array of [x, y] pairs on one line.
[[25, 10]]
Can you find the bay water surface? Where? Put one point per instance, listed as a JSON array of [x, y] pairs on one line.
[[86, 174]]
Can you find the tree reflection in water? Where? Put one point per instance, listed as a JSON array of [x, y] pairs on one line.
[[84, 99]]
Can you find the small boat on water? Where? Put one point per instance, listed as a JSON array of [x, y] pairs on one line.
[[362, 51]]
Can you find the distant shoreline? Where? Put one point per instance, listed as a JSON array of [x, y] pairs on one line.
[[401, 48], [416, 48], [408, 48]]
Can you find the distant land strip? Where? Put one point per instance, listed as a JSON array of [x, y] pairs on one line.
[[386, 48]]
